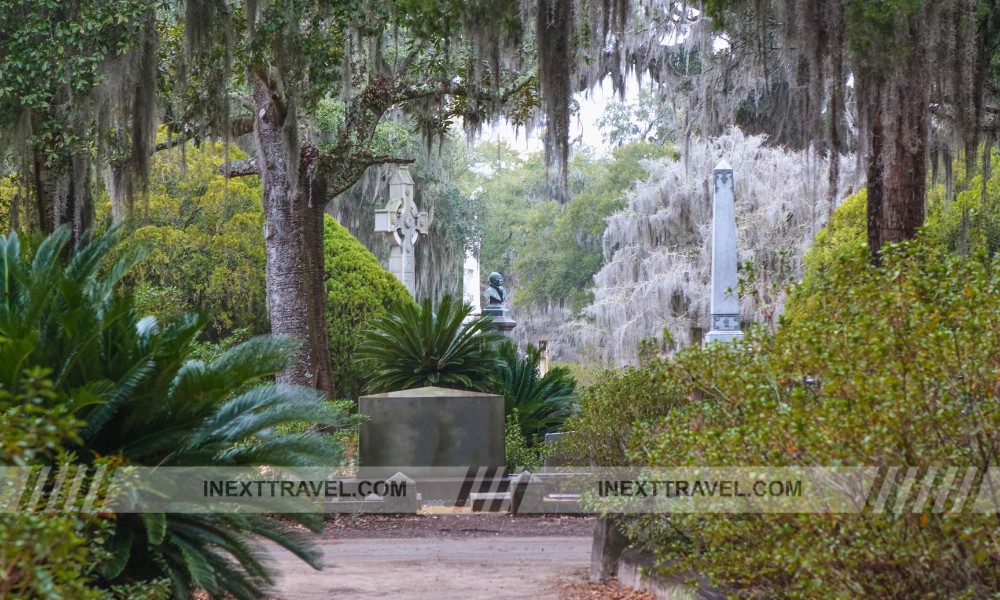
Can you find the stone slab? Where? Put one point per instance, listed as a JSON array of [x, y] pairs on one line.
[[431, 427], [557, 459]]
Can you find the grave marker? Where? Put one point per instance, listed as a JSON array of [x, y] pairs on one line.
[[403, 224], [725, 304]]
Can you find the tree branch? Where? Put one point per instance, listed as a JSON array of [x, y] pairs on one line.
[[246, 102], [451, 88], [237, 127], [240, 168], [415, 92], [344, 170], [174, 140], [410, 58], [384, 159]]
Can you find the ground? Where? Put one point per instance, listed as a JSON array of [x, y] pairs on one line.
[[449, 556]]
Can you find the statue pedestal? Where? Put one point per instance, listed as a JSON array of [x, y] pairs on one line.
[[501, 319]]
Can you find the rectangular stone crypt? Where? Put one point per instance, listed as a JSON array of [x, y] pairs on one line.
[[432, 427]]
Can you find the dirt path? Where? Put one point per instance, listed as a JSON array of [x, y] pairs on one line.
[[443, 557]]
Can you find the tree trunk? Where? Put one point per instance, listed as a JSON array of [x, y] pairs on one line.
[[897, 164], [874, 171], [63, 195], [293, 239]]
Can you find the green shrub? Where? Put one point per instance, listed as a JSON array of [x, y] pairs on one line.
[[41, 556], [584, 374], [358, 292], [970, 222], [963, 225], [601, 429], [145, 401], [417, 347], [204, 240], [898, 368], [46, 556], [540, 403], [520, 456]]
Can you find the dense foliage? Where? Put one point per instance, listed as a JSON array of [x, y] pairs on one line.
[[43, 555], [204, 236], [551, 251], [538, 403], [418, 346], [358, 292], [902, 367], [602, 426], [519, 455], [128, 387], [890, 366], [961, 220]]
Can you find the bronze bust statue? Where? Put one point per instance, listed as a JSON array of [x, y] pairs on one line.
[[495, 294]]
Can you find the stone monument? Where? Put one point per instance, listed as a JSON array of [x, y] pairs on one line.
[[431, 427], [495, 297], [725, 304], [470, 283], [403, 224]]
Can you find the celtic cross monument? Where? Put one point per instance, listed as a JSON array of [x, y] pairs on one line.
[[403, 224]]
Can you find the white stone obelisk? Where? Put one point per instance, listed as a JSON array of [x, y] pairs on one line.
[[725, 303]]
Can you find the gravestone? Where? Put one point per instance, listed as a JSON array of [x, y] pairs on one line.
[[403, 224], [554, 458], [725, 304], [431, 427]]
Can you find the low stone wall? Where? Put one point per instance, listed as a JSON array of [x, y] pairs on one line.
[[611, 555]]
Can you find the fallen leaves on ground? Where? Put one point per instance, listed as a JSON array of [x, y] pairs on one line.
[[609, 590]]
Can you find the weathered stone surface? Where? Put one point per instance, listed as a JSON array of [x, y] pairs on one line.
[[406, 503], [609, 543], [557, 458], [470, 283], [432, 427], [526, 494], [501, 319], [725, 304], [403, 224], [638, 570]]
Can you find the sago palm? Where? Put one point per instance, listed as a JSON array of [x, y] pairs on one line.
[[146, 402], [541, 402], [416, 347]]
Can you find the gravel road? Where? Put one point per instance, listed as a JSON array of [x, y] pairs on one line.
[[442, 557]]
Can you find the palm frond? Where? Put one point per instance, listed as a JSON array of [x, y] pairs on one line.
[[143, 400], [541, 403], [417, 347]]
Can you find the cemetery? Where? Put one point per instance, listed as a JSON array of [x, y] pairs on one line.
[[633, 299]]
